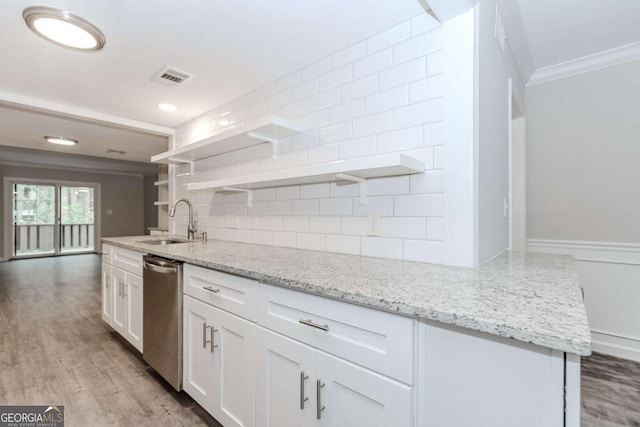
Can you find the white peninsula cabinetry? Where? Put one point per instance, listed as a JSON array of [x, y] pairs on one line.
[[122, 292]]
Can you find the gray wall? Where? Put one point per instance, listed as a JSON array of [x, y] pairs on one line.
[[584, 156], [150, 196]]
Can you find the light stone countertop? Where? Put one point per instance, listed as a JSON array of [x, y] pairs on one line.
[[529, 297]]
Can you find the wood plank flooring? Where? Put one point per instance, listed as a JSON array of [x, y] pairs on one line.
[[55, 349]]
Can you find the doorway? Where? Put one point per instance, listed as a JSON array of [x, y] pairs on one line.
[[52, 218]]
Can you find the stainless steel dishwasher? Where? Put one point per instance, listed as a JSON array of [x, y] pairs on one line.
[[162, 318]]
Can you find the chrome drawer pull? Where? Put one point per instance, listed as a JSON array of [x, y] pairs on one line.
[[210, 289], [308, 322], [205, 341], [319, 407], [213, 331], [302, 396]]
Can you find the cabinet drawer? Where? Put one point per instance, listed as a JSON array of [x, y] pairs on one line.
[[107, 251], [226, 291], [127, 260], [377, 340]]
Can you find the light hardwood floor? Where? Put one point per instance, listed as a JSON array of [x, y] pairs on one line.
[[55, 349]]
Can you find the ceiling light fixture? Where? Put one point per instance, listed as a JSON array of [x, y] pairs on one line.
[[61, 140], [170, 108], [64, 29]]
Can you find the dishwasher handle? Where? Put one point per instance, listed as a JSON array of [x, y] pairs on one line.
[[158, 268]]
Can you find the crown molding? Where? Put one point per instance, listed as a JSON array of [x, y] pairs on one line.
[[607, 58]]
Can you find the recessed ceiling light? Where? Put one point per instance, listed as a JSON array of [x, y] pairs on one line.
[[168, 107], [61, 140], [63, 28]]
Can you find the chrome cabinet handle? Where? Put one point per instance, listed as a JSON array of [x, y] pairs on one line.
[[213, 331], [308, 322], [319, 407], [120, 288], [210, 289], [205, 341], [302, 396], [125, 289]]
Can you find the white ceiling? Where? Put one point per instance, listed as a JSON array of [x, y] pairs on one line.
[[231, 46], [544, 33]]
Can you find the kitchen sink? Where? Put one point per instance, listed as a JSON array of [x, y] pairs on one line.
[[162, 241]]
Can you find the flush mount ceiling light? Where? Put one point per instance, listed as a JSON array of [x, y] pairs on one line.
[[64, 29], [61, 140], [170, 108]]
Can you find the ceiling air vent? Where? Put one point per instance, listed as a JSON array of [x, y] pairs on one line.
[[171, 76], [112, 151]]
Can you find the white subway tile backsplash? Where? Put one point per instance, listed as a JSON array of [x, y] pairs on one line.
[[315, 191], [246, 168], [289, 81], [264, 194], [289, 192], [425, 89], [433, 134], [269, 163], [381, 247], [358, 147], [376, 123], [242, 236], [403, 228], [354, 225], [337, 77], [437, 157], [324, 99], [316, 69], [428, 182], [376, 205], [404, 73], [280, 99], [335, 132], [304, 140], [258, 108], [258, 208], [343, 244], [305, 90], [434, 63], [344, 189], [434, 228], [423, 23], [296, 223], [347, 110], [297, 109], [316, 119], [360, 88], [400, 140], [350, 54], [389, 37], [388, 185], [271, 223], [418, 205], [258, 151], [418, 46], [423, 251], [304, 207], [262, 92], [387, 100], [372, 63], [314, 242], [295, 158], [261, 237], [417, 114], [335, 207], [324, 153], [284, 239], [324, 224]]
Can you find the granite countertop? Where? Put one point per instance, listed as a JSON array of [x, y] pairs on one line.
[[529, 297]]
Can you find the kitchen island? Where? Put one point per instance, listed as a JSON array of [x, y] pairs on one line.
[[496, 345]]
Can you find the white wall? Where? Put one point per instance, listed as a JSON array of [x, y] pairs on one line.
[[584, 196], [493, 116], [382, 95]]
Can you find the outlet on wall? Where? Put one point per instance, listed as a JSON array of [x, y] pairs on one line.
[[373, 225]]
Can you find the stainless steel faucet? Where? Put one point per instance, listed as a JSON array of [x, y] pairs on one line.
[[191, 228]]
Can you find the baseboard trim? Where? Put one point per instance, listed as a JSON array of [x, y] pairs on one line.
[[612, 252], [612, 345]]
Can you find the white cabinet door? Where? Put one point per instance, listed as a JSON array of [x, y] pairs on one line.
[[233, 394], [119, 319], [107, 294], [198, 364], [285, 384], [353, 396], [133, 301]]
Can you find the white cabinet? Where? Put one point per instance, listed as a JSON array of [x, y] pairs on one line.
[[122, 293], [297, 385], [218, 369]]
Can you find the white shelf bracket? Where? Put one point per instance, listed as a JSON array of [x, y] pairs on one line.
[[272, 141], [191, 163], [361, 181], [242, 190]]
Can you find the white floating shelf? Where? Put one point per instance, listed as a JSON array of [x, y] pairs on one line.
[[163, 182], [246, 134], [357, 170], [161, 203]]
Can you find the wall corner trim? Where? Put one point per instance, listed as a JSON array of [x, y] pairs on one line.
[[585, 64]]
